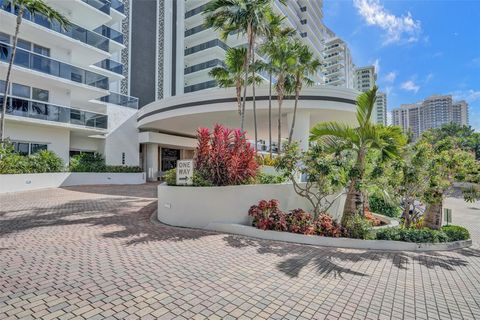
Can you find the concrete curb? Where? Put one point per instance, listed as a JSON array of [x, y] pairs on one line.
[[385, 245]]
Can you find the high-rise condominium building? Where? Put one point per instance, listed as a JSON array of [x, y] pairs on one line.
[[338, 67], [173, 51], [68, 88], [365, 79], [433, 112]]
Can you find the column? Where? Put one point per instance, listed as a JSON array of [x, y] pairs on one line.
[[152, 161], [301, 132]]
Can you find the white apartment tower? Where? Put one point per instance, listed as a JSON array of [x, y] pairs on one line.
[[338, 67], [433, 112], [69, 91], [365, 79], [176, 51]]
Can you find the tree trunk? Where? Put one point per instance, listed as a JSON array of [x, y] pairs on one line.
[[239, 99], [352, 202], [270, 114], [245, 84], [433, 215], [406, 214], [280, 101], [297, 94], [253, 96], [9, 71]]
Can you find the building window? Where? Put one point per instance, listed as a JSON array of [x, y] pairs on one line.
[[40, 94], [20, 90], [41, 50], [26, 148], [36, 147], [78, 152], [24, 44], [4, 37]]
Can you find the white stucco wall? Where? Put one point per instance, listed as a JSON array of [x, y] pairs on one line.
[[58, 139], [197, 207], [25, 182], [122, 136]]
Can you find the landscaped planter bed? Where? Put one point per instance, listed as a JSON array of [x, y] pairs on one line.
[[197, 207], [33, 181], [336, 242]]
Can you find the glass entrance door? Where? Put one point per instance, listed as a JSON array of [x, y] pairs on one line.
[[169, 158]]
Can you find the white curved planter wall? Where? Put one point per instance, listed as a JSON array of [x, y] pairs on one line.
[[197, 207], [33, 181]]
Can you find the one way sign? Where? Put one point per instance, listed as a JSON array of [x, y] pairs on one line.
[[184, 172]]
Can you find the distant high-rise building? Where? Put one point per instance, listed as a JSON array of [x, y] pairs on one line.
[[364, 80], [380, 115], [338, 68], [433, 112]]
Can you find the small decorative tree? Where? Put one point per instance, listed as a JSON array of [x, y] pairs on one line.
[[224, 156], [325, 174]]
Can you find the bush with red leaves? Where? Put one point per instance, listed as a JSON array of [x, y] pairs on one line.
[[224, 156], [268, 216]]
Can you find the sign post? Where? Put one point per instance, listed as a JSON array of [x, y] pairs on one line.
[[184, 172], [448, 215]]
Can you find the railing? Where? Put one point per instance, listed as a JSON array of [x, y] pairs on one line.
[[117, 5], [73, 31], [195, 30], [110, 33], [200, 86], [110, 65], [40, 63], [45, 111], [204, 65], [195, 11], [121, 100], [103, 6], [206, 45]]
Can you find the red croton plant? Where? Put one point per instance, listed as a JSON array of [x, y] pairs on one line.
[[268, 216], [224, 156]]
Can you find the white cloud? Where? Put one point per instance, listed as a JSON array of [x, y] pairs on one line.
[[391, 76], [468, 95], [429, 77], [398, 28], [376, 64], [410, 86]]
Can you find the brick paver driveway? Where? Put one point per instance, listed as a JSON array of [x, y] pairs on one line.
[[92, 252]]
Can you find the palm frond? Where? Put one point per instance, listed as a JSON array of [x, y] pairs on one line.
[[365, 106]]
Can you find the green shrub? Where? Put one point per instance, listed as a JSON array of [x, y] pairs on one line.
[[123, 169], [87, 162], [265, 178], [456, 233], [40, 162], [358, 227], [170, 177], [379, 205], [423, 235]]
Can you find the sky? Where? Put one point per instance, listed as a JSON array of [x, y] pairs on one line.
[[420, 48]]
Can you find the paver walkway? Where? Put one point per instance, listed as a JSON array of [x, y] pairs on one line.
[[92, 253]]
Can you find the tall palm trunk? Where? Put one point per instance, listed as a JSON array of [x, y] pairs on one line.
[[433, 213], [280, 101], [253, 96], [246, 65], [270, 114], [297, 94], [9, 71], [239, 98]]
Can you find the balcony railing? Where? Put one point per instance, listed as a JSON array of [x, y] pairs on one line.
[[204, 65], [110, 65], [73, 31], [110, 33], [45, 111], [103, 6], [195, 30], [195, 11], [40, 63], [206, 45], [121, 100], [118, 5]]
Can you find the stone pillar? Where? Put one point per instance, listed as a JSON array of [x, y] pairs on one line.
[[301, 132], [152, 161]]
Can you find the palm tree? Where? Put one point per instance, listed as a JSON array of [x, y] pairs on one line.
[[282, 59], [306, 65], [244, 17], [359, 140], [231, 75], [34, 7], [275, 30]]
